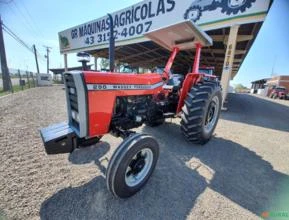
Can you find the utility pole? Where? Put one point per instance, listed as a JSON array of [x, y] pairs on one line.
[[47, 56], [273, 67], [36, 59], [5, 72]]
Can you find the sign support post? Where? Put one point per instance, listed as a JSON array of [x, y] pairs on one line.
[[229, 60], [65, 62]]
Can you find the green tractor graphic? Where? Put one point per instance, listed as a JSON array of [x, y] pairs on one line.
[[64, 42], [194, 12]]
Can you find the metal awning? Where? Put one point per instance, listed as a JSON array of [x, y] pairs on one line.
[[149, 54], [184, 35]]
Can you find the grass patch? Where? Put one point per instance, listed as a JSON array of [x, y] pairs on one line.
[[57, 82], [2, 93], [17, 88]]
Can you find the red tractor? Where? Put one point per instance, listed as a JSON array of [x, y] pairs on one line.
[[107, 102]]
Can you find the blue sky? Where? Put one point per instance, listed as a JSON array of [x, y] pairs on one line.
[[270, 47], [38, 22]]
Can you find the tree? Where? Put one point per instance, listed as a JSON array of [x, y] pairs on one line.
[[240, 88]]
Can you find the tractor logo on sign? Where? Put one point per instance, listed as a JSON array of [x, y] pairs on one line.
[[194, 12], [64, 42]]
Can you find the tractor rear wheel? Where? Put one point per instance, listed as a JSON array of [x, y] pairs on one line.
[[201, 111], [131, 165]]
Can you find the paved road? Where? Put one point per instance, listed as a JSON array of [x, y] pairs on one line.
[[259, 111], [241, 172]]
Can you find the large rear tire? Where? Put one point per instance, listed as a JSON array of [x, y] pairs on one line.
[[201, 111], [131, 165]]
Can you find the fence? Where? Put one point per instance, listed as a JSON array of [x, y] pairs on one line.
[[20, 80]]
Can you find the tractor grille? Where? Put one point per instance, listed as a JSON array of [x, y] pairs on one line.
[[72, 100]]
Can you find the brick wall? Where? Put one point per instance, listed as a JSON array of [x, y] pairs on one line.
[[284, 81], [279, 81]]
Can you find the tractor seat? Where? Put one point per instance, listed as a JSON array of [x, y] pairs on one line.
[[175, 82]]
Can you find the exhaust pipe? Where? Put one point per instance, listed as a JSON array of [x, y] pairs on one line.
[[111, 44]]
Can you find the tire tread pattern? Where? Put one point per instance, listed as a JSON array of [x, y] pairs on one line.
[[194, 110]]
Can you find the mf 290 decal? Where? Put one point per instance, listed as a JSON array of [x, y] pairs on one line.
[[102, 87]]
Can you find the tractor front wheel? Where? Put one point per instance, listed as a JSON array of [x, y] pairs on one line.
[[201, 111], [131, 165]]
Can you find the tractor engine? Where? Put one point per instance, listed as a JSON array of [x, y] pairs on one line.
[[130, 112]]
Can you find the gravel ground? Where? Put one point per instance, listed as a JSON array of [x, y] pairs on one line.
[[240, 173]]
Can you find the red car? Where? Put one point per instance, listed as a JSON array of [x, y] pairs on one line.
[[279, 92]]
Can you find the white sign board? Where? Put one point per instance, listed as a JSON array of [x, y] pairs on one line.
[[44, 79], [133, 22]]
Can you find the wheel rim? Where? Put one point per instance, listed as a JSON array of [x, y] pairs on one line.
[[212, 114], [236, 3], [194, 14], [139, 167]]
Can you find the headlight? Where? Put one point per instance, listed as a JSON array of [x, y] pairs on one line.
[[72, 91], [75, 115]]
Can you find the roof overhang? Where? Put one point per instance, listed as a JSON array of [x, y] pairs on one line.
[[149, 54], [184, 35]]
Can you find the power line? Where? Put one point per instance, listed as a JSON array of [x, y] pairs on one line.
[[21, 19], [31, 18], [24, 20], [29, 23], [18, 39]]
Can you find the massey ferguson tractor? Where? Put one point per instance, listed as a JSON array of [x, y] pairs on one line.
[[99, 103]]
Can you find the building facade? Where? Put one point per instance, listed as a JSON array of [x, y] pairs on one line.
[[282, 81]]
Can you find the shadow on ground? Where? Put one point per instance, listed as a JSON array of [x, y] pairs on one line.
[[90, 154], [182, 174], [257, 111]]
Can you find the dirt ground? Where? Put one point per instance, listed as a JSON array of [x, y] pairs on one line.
[[242, 172]]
